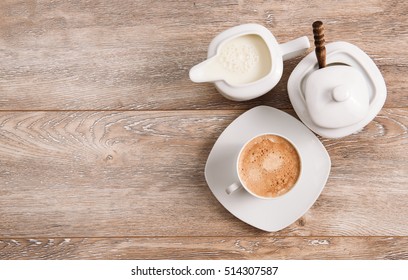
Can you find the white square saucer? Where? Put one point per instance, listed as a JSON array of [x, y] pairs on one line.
[[267, 214]]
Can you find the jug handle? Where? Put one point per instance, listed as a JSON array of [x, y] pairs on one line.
[[294, 48]]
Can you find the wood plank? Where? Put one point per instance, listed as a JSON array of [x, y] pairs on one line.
[[86, 55], [207, 248], [93, 174]]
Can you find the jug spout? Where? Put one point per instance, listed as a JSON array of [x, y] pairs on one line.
[[206, 71]]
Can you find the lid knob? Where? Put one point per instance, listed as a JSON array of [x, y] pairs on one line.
[[341, 93]]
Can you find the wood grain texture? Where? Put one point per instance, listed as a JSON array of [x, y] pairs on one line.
[[91, 174], [206, 248], [100, 55], [104, 139]]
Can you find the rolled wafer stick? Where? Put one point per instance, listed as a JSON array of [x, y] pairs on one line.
[[318, 32]]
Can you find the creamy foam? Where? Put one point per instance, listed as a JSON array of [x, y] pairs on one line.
[[244, 59], [269, 165]]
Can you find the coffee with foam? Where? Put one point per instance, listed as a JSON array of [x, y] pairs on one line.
[[269, 165]]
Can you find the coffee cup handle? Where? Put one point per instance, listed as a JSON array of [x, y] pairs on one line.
[[233, 187], [294, 48]]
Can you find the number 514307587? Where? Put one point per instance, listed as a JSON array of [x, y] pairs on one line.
[[250, 270]]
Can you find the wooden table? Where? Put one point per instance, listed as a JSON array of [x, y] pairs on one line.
[[104, 139]]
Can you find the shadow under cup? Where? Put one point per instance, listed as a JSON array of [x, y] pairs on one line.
[[268, 166]]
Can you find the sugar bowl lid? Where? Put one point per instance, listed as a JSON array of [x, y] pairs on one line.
[[336, 96]]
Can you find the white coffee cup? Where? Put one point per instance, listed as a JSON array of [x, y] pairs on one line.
[[281, 146], [246, 61]]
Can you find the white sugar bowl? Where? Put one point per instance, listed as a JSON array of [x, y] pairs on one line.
[[336, 96], [341, 98]]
